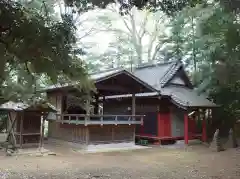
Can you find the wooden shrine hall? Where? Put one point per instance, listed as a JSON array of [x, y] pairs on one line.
[[175, 111], [79, 121]]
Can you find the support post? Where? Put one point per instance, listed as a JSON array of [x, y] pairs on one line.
[[204, 130], [12, 117], [96, 104], [113, 133], [87, 108], [159, 125], [87, 136], [42, 132], [133, 113], [186, 137], [134, 133], [133, 106], [21, 130]]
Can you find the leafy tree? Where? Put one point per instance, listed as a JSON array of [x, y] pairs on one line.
[[216, 51], [224, 33], [32, 45], [186, 41], [169, 7]]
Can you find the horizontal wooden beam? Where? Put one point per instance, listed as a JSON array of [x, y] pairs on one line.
[[114, 88], [93, 122]]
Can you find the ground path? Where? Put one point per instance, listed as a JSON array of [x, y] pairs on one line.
[[156, 163]]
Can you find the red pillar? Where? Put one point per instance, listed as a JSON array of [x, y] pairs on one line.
[[186, 128], [204, 130], [160, 125]]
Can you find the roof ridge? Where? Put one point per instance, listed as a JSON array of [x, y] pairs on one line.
[[170, 72], [107, 70], [147, 65], [144, 65]]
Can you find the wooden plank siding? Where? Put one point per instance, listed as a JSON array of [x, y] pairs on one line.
[[68, 132], [54, 127], [108, 132], [96, 134], [111, 134]]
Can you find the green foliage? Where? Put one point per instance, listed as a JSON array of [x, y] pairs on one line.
[[208, 36], [33, 45], [3, 122], [169, 7]]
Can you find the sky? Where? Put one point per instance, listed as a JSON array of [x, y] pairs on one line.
[[89, 20], [92, 19], [98, 41]]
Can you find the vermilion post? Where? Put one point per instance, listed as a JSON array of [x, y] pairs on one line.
[[204, 130], [159, 125], [186, 137]]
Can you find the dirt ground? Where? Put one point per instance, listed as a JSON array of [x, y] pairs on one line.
[[155, 163]]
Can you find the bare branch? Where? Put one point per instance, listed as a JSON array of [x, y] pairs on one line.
[[157, 48], [154, 36], [142, 31], [87, 34], [60, 8]]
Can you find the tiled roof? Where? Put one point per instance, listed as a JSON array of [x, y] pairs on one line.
[[93, 76], [186, 97], [179, 95], [151, 74], [97, 77], [15, 106], [158, 75]]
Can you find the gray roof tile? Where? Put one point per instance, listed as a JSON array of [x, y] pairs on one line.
[[157, 76], [186, 97], [154, 75], [93, 76]]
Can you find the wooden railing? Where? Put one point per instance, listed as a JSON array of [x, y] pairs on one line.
[[99, 119]]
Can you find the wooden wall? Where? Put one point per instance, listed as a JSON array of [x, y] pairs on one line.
[[162, 118], [121, 106], [67, 132], [31, 127], [177, 122], [55, 98], [94, 134], [90, 134], [148, 107], [111, 134]]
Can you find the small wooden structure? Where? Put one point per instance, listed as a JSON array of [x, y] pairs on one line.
[[84, 122], [25, 124]]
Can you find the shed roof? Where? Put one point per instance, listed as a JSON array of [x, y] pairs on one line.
[[20, 106]]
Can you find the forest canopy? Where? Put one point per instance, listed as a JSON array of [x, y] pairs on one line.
[[37, 46]]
